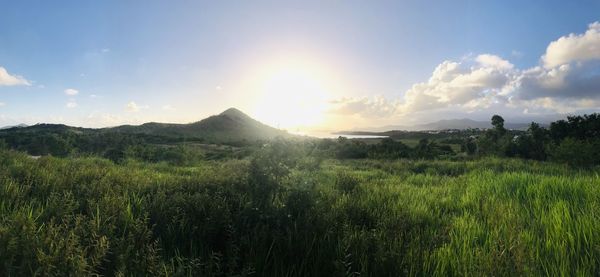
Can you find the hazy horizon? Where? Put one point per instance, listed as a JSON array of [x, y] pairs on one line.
[[317, 132], [303, 67]]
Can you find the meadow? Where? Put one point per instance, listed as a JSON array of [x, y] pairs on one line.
[[275, 214]]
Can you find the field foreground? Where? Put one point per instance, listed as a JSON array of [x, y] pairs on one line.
[[336, 218]]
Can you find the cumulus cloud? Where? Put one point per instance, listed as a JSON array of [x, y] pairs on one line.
[[133, 107], [574, 47], [71, 92], [494, 61], [6, 79], [464, 83], [470, 84], [371, 107], [567, 80], [577, 80], [570, 70]]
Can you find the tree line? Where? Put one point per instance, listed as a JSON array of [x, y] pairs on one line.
[[575, 140]]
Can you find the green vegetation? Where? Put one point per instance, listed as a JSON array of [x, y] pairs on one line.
[[232, 134], [283, 213], [575, 141], [231, 128], [120, 203]]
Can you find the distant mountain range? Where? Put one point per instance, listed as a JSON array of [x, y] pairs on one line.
[[444, 124], [230, 125]]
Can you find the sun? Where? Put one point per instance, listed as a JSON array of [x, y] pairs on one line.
[[292, 96]]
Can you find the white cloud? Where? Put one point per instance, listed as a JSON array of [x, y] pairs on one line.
[[71, 92], [473, 83], [470, 83], [168, 108], [370, 107], [6, 79], [2, 104], [488, 60], [133, 107], [71, 104], [567, 80], [578, 80], [574, 47]]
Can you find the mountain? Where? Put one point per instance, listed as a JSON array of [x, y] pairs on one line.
[[229, 125]]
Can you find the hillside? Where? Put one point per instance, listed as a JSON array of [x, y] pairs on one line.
[[229, 125]]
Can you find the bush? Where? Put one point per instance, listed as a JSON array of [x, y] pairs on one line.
[[346, 182], [576, 152]]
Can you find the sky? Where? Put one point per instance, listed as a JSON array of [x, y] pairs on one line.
[[298, 65]]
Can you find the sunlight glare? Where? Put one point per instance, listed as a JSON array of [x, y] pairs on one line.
[[292, 96]]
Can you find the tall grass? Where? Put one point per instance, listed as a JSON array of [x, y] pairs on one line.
[[345, 218]]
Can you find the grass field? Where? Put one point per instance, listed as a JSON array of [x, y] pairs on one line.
[[500, 217]]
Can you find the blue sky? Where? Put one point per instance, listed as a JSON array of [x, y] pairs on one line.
[[180, 61]]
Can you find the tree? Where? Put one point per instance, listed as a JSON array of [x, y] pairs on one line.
[[532, 144], [559, 130], [495, 141], [468, 146], [351, 149], [389, 148], [423, 149], [269, 167], [576, 152], [498, 123], [115, 154], [579, 127]]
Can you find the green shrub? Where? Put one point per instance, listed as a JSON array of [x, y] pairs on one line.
[[576, 152], [346, 182], [266, 216]]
